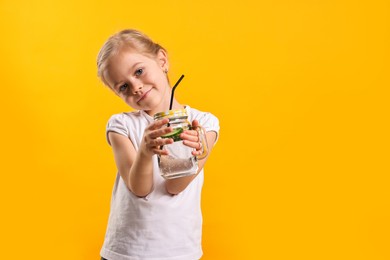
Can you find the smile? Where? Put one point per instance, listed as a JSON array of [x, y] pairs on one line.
[[144, 96]]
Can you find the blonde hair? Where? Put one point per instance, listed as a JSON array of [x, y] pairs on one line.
[[129, 38]]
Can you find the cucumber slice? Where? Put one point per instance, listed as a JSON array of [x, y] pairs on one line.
[[174, 134]]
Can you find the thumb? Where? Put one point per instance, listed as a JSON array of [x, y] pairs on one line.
[[195, 123]]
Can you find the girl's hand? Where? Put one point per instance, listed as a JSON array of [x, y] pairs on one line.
[[192, 139], [152, 140]]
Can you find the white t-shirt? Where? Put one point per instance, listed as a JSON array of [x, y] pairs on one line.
[[160, 226]]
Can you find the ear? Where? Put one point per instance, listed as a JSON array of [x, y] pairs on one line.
[[162, 59]]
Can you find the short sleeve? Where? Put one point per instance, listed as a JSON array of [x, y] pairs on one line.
[[116, 124], [210, 123]]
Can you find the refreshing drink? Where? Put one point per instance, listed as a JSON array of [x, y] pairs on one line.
[[179, 161]]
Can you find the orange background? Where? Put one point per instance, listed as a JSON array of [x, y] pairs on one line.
[[301, 170]]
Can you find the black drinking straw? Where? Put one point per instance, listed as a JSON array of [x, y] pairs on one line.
[[173, 91]]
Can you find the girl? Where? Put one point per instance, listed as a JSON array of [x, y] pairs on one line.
[[151, 217]]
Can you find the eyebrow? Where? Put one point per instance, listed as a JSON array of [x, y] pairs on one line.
[[136, 64], [118, 83]]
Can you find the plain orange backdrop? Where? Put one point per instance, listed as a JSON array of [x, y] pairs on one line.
[[301, 170]]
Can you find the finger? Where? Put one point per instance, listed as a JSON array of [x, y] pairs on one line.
[[195, 123], [160, 152], [191, 132], [195, 145], [160, 132], [196, 152], [159, 142], [189, 137], [158, 124]]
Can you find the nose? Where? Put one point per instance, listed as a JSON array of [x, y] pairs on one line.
[[137, 85]]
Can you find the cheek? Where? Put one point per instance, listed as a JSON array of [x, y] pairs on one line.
[[129, 101], [162, 81], [157, 75]]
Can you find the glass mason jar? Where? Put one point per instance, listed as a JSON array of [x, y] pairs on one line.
[[179, 162]]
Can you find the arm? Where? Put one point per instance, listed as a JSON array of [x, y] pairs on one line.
[[136, 167], [175, 186]]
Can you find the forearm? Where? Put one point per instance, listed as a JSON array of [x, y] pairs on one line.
[[136, 167], [177, 185], [141, 175]]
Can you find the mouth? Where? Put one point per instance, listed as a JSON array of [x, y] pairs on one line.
[[144, 95]]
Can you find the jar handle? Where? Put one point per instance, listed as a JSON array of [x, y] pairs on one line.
[[203, 142]]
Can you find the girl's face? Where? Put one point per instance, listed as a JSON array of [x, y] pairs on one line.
[[139, 80]]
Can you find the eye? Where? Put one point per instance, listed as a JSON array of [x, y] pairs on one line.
[[123, 88], [139, 72]]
